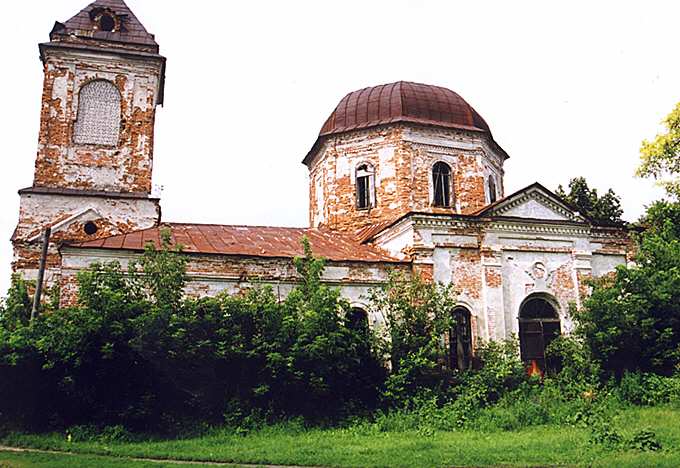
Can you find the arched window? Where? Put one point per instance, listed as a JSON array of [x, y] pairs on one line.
[[492, 190], [98, 120], [539, 325], [460, 340], [441, 180], [358, 319], [365, 181]]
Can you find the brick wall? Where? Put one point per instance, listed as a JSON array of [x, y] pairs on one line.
[[402, 156], [122, 168]]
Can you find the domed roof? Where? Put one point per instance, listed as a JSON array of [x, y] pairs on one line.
[[402, 101]]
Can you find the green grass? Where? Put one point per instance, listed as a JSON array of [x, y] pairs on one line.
[[539, 445], [51, 460]]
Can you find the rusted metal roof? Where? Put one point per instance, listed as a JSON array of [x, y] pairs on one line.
[[255, 241], [402, 101], [82, 25]]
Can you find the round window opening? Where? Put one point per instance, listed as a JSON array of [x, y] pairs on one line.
[[90, 228], [107, 23]]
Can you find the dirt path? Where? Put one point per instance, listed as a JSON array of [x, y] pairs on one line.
[[4, 448]]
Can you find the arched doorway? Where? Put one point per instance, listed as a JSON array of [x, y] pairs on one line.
[[460, 340], [358, 320], [539, 325]]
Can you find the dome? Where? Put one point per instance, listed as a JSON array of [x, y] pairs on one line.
[[403, 102]]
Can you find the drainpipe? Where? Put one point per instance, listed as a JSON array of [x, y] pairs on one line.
[[41, 273]]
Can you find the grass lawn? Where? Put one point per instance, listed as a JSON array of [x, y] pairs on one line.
[[540, 445], [49, 460]]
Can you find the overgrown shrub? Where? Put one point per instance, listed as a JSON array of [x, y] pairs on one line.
[[418, 314], [136, 353], [631, 321], [648, 389]]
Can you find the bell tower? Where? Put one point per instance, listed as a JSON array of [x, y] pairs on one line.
[[103, 78]]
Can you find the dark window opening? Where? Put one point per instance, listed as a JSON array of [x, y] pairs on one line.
[[364, 181], [90, 228], [441, 178], [492, 190], [358, 320], [107, 22], [539, 325], [460, 340]]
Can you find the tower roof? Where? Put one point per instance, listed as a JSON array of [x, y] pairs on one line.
[[403, 101], [109, 21]]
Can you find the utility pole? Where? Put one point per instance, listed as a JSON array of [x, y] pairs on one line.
[[41, 273]]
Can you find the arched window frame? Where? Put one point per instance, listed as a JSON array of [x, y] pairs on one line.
[[493, 193], [98, 118], [537, 332], [364, 180], [442, 184], [460, 339]]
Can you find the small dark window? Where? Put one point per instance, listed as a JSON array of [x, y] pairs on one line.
[[90, 228], [107, 22], [358, 320], [539, 325], [460, 340], [441, 178], [492, 190], [364, 180]]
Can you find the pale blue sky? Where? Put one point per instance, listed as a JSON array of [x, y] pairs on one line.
[[568, 88]]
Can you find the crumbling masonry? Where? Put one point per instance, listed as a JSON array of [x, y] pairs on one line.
[[403, 176]]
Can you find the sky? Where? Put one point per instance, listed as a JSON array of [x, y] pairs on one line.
[[568, 88]]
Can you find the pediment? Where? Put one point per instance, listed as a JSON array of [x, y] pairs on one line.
[[83, 216], [535, 202]]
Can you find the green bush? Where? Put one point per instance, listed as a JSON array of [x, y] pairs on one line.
[[136, 353], [631, 321], [418, 314], [649, 389], [644, 440]]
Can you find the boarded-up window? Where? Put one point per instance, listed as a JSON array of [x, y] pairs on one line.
[[365, 186], [98, 120], [441, 179]]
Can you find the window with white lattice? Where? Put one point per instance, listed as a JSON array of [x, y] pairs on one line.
[[98, 120]]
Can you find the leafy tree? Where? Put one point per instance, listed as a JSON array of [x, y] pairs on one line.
[[15, 309], [161, 273], [661, 156], [662, 215], [418, 315], [136, 352], [631, 321], [605, 209]]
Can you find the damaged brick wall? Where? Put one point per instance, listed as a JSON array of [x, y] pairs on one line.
[[106, 185], [67, 216], [209, 275], [125, 167], [402, 157]]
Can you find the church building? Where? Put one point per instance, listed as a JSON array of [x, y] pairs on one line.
[[403, 176]]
